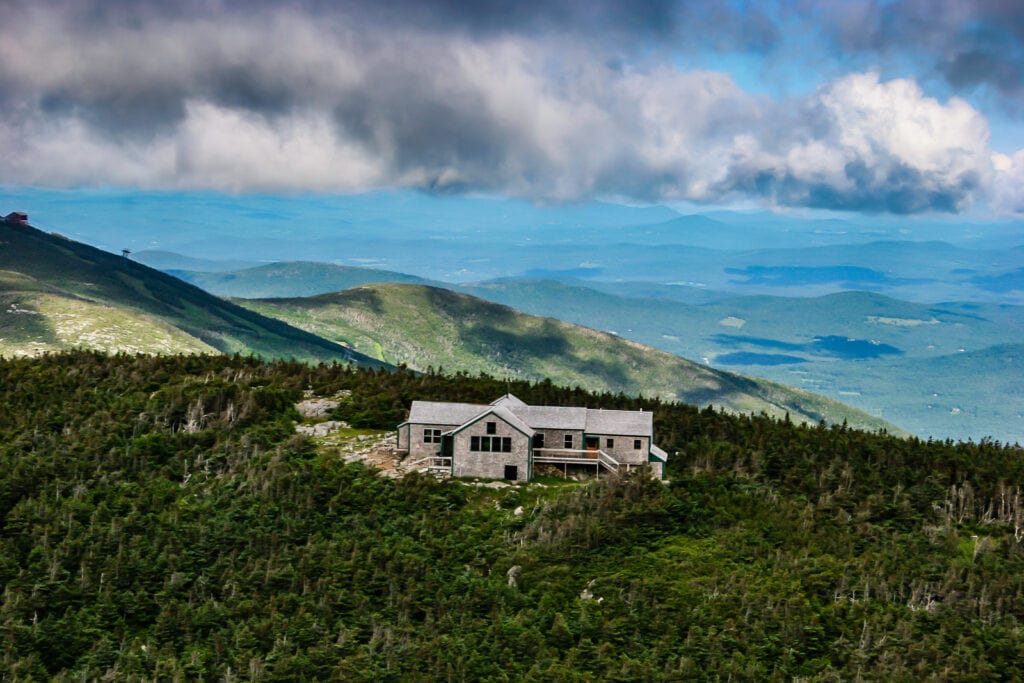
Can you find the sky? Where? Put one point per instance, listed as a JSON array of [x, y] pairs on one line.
[[901, 107]]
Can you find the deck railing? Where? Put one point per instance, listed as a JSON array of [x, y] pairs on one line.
[[570, 455], [432, 462]]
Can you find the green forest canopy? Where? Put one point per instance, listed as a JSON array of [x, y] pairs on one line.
[[161, 519]]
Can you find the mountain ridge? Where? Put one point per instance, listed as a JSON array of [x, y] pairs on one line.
[[427, 327], [49, 270]]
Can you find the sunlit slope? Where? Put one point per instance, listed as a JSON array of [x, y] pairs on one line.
[[58, 294], [35, 319], [426, 327]]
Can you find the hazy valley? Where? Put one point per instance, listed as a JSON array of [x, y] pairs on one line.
[[61, 294], [882, 315]]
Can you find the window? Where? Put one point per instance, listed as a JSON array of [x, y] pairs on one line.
[[492, 427], [538, 440], [431, 436], [568, 440], [490, 444], [609, 443], [637, 444]]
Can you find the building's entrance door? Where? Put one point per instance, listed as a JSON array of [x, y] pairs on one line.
[[447, 446], [512, 472], [593, 443]]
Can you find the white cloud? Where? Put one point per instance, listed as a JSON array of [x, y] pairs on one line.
[[237, 150], [859, 143], [66, 152], [1008, 187], [279, 100], [896, 121]]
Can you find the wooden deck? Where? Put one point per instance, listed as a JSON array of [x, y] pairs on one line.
[[570, 456]]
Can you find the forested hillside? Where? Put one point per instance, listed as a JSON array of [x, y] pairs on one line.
[[161, 520]]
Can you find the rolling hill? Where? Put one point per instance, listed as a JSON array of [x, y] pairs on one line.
[[865, 349], [424, 327], [58, 294], [682, 320], [289, 278]]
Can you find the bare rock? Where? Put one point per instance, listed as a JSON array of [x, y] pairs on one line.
[[321, 428], [316, 407], [513, 575]]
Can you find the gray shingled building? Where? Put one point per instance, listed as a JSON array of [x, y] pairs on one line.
[[508, 439]]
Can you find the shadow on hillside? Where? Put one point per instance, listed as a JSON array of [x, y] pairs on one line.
[[506, 345], [21, 324], [724, 389], [611, 373], [368, 298]]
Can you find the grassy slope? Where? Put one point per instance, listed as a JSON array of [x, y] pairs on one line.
[[77, 295], [426, 326], [35, 318]]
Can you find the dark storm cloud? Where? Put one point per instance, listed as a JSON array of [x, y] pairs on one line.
[[969, 42], [726, 26], [902, 190], [566, 100]]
